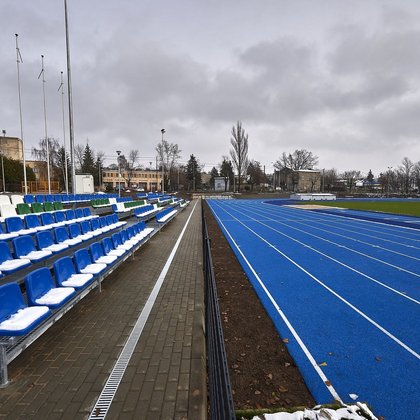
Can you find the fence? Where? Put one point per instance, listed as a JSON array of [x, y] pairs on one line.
[[220, 391]]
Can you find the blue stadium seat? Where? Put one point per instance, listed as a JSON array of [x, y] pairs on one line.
[[79, 214], [60, 217], [76, 232], [109, 249], [65, 274], [16, 318], [84, 264], [24, 247], [40, 198], [46, 242], [29, 199], [98, 255], [32, 222], [125, 239], [15, 225], [119, 243], [5, 236], [41, 290], [62, 236], [70, 215], [48, 220], [103, 222], [86, 229], [8, 264]]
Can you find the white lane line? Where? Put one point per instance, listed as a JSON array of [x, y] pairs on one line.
[[382, 329], [107, 395], [302, 345]]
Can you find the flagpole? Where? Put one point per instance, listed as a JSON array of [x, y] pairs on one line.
[[70, 99], [45, 123], [18, 61], [66, 175]]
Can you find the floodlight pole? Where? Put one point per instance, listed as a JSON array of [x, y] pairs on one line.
[[18, 61], [163, 167], [45, 123], [70, 99], [66, 174], [2, 163], [119, 173]]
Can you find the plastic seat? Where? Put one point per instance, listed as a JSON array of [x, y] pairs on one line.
[[24, 247], [46, 242], [65, 274], [96, 226], [32, 222], [41, 290], [84, 264], [29, 199], [16, 318], [103, 223], [4, 235], [48, 220], [109, 249], [62, 236], [58, 205], [86, 228], [8, 264], [60, 217], [37, 207], [15, 224], [23, 208], [118, 243], [70, 216], [75, 232], [79, 214], [98, 255]]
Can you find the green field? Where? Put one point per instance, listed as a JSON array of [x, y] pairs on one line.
[[410, 208]]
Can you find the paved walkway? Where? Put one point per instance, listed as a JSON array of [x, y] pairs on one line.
[[63, 373]]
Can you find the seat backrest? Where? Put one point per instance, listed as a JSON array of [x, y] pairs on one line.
[[85, 227], [48, 206], [4, 199], [47, 219], [44, 239], [130, 232], [109, 219], [102, 222], [81, 259], [116, 239], [79, 213], [37, 283], [94, 223], [124, 236], [107, 245], [29, 198], [58, 205], [40, 198], [7, 210], [63, 270], [60, 216], [74, 230], [23, 245], [16, 199], [114, 218], [4, 252], [37, 207], [70, 214], [32, 221], [87, 212], [11, 300], [49, 198], [23, 208], [96, 251], [13, 224], [61, 234]]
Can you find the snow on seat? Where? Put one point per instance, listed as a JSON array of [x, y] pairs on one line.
[[65, 274], [75, 232], [165, 215], [62, 236], [24, 247], [125, 239], [86, 228], [32, 222], [15, 225], [16, 318], [8, 264], [84, 263], [46, 242], [41, 290], [109, 249], [98, 255], [48, 220], [4, 236]]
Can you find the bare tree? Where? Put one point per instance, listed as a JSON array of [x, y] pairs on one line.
[[168, 155], [351, 177], [330, 177], [40, 153], [416, 175], [239, 151], [79, 151], [406, 172], [299, 159]]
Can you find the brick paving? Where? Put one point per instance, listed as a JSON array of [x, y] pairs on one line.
[[62, 374]]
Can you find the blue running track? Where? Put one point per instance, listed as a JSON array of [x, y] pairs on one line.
[[345, 292]]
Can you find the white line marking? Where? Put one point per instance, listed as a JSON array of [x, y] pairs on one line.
[[386, 332], [107, 395], [302, 345]]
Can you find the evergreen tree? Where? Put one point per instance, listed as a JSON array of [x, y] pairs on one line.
[[370, 176], [226, 171], [213, 174], [88, 164], [193, 173]]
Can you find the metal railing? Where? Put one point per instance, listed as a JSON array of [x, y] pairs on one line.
[[219, 387]]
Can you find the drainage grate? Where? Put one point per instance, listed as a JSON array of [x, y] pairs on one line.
[[104, 401]]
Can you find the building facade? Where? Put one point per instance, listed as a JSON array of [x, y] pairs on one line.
[[148, 180], [11, 147], [302, 180]]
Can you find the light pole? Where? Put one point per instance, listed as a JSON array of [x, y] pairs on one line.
[[163, 167], [66, 174], [2, 164], [119, 186], [389, 170]]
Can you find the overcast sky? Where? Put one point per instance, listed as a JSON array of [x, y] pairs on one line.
[[338, 78]]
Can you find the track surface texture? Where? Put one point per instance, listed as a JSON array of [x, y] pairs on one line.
[[343, 292]]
